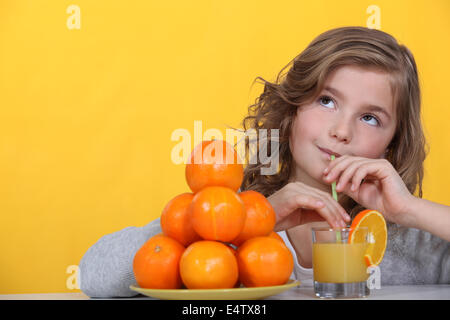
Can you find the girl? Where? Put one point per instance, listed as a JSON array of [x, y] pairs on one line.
[[352, 93]]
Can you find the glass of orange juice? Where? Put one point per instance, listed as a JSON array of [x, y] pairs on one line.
[[339, 268]]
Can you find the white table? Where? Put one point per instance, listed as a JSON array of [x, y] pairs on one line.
[[424, 292]]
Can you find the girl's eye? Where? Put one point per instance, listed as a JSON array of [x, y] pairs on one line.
[[371, 120], [326, 102]]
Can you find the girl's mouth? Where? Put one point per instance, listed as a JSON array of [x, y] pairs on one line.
[[329, 153]]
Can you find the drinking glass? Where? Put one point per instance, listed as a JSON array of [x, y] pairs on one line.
[[339, 267]]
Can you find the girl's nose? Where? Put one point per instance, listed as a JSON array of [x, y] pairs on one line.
[[341, 130]]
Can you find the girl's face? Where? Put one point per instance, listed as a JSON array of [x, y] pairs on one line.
[[353, 115]]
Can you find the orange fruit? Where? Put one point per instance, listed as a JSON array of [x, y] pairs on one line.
[[175, 220], [217, 213], [377, 235], [208, 265], [260, 216], [234, 251], [264, 261], [214, 163], [156, 263]]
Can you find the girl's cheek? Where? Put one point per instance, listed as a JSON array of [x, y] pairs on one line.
[[367, 144], [373, 150]]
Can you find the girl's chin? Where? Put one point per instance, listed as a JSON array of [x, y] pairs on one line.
[[318, 183]]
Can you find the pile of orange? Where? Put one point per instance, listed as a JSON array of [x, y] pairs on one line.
[[214, 237]]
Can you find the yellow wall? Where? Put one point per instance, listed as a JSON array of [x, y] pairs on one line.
[[86, 115]]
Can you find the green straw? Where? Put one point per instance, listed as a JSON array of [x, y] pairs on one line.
[[333, 185], [334, 193]]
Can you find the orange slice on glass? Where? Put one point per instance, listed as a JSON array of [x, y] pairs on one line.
[[377, 235]]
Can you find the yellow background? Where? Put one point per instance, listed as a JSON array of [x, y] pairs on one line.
[[86, 115]]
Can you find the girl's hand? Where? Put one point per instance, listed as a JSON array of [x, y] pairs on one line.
[[297, 203], [373, 183]]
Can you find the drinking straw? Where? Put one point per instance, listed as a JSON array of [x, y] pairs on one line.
[[333, 185], [334, 193]]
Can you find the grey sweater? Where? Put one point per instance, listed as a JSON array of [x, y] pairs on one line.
[[412, 257]]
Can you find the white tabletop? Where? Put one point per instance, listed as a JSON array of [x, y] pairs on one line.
[[422, 292]]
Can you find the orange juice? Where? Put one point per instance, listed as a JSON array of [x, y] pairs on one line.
[[339, 262]]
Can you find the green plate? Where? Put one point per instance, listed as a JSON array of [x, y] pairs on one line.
[[216, 294]]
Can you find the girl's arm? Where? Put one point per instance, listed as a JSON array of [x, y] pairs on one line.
[[375, 184], [106, 269], [428, 216]]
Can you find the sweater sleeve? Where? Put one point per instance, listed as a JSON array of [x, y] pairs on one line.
[[106, 269]]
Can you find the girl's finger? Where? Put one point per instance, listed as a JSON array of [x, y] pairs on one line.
[[333, 163], [348, 174], [333, 219], [335, 215], [308, 202], [337, 166], [329, 201], [337, 209], [363, 172], [344, 213], [340, 214], [317, 204], [332, 211]]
